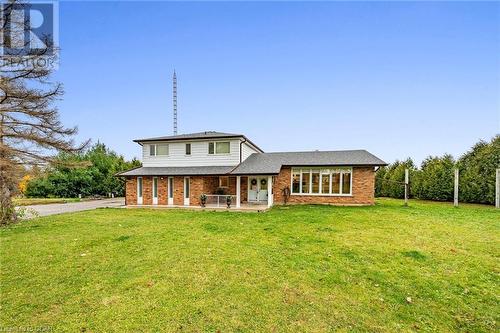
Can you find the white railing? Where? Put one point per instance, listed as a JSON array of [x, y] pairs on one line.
[[219, 200]]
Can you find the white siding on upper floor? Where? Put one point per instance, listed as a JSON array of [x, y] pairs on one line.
[[247, 150], [199, 155]]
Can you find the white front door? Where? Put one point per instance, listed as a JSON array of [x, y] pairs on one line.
[[155, 190], [139, 190], [170, 190], [187, 189], [257, 189], [263, 189]]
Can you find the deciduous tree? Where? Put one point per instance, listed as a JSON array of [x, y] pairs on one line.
[[30, 129]]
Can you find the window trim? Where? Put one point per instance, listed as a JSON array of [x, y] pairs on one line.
[[302, 170], [215, 147]]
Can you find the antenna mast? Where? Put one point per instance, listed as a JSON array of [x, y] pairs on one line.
[[175, 102]]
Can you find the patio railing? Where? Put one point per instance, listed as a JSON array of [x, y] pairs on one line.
[[220, 200]]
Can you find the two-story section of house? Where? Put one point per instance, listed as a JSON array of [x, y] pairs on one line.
[[179, 170]]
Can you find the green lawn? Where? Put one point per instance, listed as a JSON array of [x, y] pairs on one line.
[[386, 268], [42, 201]]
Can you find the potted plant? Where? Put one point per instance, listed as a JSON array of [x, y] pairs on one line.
[[203, 200], [228, 201]]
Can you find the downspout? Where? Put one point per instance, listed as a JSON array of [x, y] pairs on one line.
[[241, 144]]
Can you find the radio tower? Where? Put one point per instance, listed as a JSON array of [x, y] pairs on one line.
[[175, 103]]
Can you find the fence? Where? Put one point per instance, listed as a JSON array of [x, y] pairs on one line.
[[406, 185], [217, 200]]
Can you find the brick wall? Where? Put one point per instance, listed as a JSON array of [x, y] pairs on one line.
[[178, 190], [147, 190], [162, 190], [131, 191], [363, 189]]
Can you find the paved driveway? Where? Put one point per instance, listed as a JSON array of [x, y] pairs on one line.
[[51, 209]]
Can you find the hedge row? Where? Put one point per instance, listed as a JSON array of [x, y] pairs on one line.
[[434, 180]]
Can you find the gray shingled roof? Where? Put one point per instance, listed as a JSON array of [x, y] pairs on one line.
[[271, 163], [199, 135], [177, 171]]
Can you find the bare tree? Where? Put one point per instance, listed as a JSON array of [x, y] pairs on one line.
[[30, 130]]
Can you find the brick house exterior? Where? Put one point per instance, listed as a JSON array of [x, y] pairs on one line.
[[221, 164]]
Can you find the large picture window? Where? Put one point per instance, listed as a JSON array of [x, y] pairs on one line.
[[221, 147], [316, 181]]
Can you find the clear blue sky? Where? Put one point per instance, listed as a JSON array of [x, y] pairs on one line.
[[396, 78]]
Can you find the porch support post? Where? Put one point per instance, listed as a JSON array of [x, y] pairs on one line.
[[269, 191], [238, 191]]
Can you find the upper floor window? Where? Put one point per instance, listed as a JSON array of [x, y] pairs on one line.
[[221, 147], [158, 150], [188, 149]]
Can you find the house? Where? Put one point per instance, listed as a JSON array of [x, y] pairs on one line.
[[177, 170]]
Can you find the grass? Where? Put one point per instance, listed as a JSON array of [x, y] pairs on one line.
[[386, 268], [42, 201]]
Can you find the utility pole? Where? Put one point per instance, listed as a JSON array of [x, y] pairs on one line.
[[455, 192], [175, 102], [497, 197], [407, 182]]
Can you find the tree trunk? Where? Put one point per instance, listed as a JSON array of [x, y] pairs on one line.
[[7, 210]]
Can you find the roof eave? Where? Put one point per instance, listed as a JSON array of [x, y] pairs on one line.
[[335, 164], [188, 139]]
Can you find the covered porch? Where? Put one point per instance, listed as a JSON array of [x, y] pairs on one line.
[[245, 192], [177, 188]]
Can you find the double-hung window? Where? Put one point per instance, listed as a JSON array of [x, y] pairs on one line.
[[318, 181], [219, 147]]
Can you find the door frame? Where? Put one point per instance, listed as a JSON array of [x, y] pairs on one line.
[[187, 185], [170, 189]]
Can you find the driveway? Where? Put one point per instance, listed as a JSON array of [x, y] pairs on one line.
[[52, 209]]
